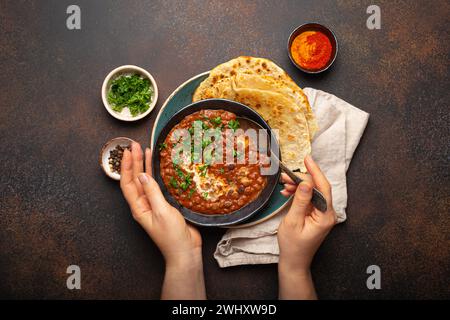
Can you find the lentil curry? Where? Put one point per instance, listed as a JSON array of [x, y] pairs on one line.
[[203, 184]]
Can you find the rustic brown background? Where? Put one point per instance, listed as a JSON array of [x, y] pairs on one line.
[[58, 208]]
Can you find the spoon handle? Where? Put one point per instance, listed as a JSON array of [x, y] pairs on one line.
[[318, 200]]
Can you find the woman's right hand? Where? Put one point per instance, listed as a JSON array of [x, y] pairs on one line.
[[302, 231]]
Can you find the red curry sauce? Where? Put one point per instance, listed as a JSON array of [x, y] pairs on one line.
[[210, 187]]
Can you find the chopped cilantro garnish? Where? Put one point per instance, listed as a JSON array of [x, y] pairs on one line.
[[191, 192], [162, 146], [179, 172], [215, 122], [203, 169], [233, 124], [132, 92], [205, 126], [221, 170], [184, 185], [187, 180], [173, 182], [205, 195], [206, 143]]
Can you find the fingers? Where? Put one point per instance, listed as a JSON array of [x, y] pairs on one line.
[[148, 161], [126, 168], [127, 184], [289, 186], [305, 176], [285, 179], [153, 193], [301, 205], [142, 212], [137, 164], [320, 180], [326, 221]]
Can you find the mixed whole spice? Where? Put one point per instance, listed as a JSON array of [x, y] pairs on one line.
[[115, 157]]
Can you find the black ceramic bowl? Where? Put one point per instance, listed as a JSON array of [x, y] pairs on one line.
[[314, 27], [243, 213]]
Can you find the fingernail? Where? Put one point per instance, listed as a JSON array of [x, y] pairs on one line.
[[134, 146], [143, 178], [304, 187]]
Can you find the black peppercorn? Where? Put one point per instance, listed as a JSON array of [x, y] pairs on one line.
[[115, 157]]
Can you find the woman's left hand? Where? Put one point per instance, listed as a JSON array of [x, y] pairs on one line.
[[166, 226]]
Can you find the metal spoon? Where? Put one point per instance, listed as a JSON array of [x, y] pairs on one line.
[[318, 200]]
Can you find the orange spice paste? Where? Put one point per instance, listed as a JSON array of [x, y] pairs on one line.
[[311, 50]]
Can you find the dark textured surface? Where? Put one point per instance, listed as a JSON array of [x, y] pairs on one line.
[[58, 208]]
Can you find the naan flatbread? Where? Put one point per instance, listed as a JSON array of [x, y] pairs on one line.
[[260, 68], [281, 114]]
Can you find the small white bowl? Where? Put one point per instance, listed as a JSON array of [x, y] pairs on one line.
[[104, 155], [125, 115]]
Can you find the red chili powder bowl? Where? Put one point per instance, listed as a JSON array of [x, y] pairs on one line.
[[312, 48]]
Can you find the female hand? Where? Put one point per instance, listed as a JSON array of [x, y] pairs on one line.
[[179, 242], [302, 231]]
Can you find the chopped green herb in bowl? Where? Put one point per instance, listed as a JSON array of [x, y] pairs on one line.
[[129, 88], [132, 92]]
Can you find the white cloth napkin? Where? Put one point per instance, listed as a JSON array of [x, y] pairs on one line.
[[341, 126]]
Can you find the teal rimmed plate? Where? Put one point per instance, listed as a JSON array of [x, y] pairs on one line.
[[181, 97]]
